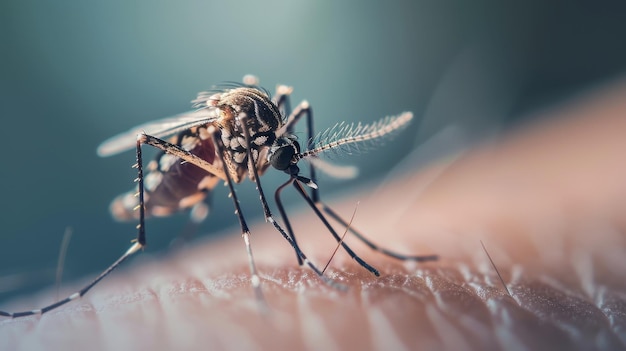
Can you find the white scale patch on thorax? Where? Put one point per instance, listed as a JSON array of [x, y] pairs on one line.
[[235, 143], [260, 141], [242, 141], [225, 137], [264, 128], [239, 157]]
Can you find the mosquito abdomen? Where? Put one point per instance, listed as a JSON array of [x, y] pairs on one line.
[[171, 185]]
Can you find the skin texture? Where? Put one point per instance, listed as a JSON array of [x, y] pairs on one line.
[[548, 202]]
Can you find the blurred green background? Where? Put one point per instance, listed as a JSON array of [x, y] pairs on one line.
[[74, 73]]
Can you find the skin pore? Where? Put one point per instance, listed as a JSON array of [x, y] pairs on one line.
[[548, 202]]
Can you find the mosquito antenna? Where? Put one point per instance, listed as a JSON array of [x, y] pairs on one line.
[[67, 236], [342, 237], [344, 135], [496, 268]]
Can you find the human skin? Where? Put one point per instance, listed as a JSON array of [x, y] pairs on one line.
[[548, 201]]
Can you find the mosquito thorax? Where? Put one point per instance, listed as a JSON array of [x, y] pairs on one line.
[[282, 152], [253, 102], [254, 105]]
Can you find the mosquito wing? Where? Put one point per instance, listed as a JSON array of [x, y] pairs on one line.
[[160, 128]]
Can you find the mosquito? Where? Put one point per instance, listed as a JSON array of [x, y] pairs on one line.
[[236, 132]]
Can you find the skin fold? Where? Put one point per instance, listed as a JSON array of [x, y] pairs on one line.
[[547, 200]]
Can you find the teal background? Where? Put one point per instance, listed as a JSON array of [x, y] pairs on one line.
[[73, 73]]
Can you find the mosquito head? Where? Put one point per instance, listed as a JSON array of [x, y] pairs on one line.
[[281, 153], [282, 156]]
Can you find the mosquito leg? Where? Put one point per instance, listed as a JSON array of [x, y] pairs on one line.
[[141, 227], [134, 248], [268, 213], [283, 214], [320, 215], [283, 102], [182, 154], [245, 231], [370, 244], [305, 110], [138, 244], [200, 211], [225, 175], [281, 99], [293, 117]]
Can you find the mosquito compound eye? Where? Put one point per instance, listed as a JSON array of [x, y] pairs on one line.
[[281, 157], [282, 152]]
